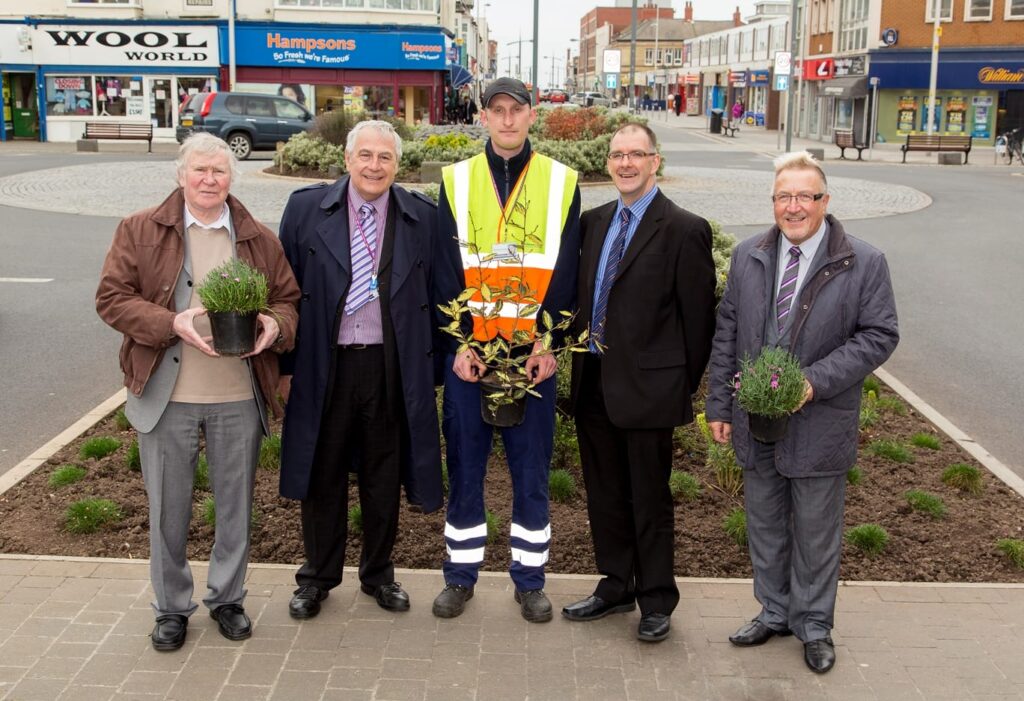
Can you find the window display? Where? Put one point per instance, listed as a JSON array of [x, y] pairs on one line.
[[69, 95]]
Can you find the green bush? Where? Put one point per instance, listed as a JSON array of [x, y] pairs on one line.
[[493, 527], [448, 148], [722, 244], [868, 413], [432, 190], [133, 460], [871, 384], [684, 486], [444, 477], [201, 480], [1013, 549], [893, 405], [355, 519], [270, 452], [891, 450], [728, 473], [926, 503], [926, 440], [99, 447], [854, 476], [333, 127], [89, 515], [589, 157], [65, 475], [869, 538], [566, 454], [307, 151], [121, 420], [966, 478], [234, 286], [561, 486], [735, 526], [209, 512], [687, 439]]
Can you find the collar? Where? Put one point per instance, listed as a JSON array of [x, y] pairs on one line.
[[223, 221], [515, 164], [638, 208], [809, 247], [380, 205], [334, 197]]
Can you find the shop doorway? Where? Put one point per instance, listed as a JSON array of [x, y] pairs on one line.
[[161, 103], [21, 108]]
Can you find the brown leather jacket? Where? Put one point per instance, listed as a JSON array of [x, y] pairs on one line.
[[136, 290]]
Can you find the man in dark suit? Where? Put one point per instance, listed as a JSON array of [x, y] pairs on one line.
[[647, 289], [360, 384]]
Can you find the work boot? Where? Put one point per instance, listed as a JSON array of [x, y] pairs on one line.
[[451, 602], [534, 605]]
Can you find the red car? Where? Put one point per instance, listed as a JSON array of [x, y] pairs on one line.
[[558, 96]]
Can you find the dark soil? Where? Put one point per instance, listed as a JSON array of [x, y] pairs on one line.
[[957, 548]]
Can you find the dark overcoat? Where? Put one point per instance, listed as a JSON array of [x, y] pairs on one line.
[[315, 235]]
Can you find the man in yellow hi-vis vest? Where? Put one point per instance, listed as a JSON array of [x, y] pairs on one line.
[[480, 197]]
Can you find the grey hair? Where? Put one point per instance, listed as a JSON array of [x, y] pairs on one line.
[[381, 126], [204, 144], [799, 160]]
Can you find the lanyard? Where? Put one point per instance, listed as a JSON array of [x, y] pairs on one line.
[[517, 191], [369, 249]]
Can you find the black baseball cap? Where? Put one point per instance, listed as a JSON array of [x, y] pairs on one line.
[[508, 86]]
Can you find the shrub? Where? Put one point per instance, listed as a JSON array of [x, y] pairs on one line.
[[1013, 549], [868, 413], [332, 127], [966, 478], [566, 453], [561, 486], [121, 420], [891, 450], [589, 158], [721, 252], [871, 384], [869, 538], [209, 512], [234, 286], [432, 190], [201, 480], [926, 440], [893, 405], [65, 475], [133, 460], [728, 473], [89, 515], [684, 486], [771, 385], [270, 452], [493, 527], [926, 503], [854, 476], [449, 148], [99, 447], [735, 526], [355, 519], [444, 476], [687, 439], [574, 125], [306, 151]]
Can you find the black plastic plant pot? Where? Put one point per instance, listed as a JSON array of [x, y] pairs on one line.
[[502, 415], [234, 333], [768, 429]]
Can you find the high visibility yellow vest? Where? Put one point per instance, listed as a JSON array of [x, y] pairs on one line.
[[538, 205]]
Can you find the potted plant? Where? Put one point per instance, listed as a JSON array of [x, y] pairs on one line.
[[769, 389], [233, 294]]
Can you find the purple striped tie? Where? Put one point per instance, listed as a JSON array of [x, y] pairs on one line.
[[364, 247], [788, 287], [610, 269]]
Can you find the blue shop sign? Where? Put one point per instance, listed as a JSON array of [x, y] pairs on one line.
[[757, 78], [339, 47], [957, 70]]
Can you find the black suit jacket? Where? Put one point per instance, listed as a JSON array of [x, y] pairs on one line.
[[661, 315]]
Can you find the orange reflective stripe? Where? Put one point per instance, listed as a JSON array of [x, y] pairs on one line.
[[488, 330], [535, 279]]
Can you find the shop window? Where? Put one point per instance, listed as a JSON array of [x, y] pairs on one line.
[[977, 10], [69, 95], [1014, 9], [119, 96], [126, 3], [648, 57], [945, 10]]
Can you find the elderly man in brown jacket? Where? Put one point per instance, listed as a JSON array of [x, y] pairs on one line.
[[179, 386]]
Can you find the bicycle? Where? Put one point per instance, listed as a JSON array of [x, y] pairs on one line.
[[1012, 146]]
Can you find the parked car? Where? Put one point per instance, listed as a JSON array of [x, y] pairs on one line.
[[246, 121], [558, 96], [544, 96], [595, 99]]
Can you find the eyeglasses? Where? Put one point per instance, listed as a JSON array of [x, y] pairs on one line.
[[802, 197], [367, 157], [618, 156]]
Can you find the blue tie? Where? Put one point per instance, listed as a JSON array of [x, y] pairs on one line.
[[364, 247], [611, 268]]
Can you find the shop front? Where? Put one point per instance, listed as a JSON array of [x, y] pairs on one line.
[[979, 93], [394, 72], [120, 72], [18, 79]]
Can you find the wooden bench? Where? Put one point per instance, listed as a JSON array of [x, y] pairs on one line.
[[133, 131], [935, 142], [844, 139], [730, 128]]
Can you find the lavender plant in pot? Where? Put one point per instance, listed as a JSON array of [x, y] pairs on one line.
[[233, 294], [770, 388]]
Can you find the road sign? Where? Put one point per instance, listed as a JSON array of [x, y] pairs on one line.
[[782, 82], [783, 63], [611, 80]]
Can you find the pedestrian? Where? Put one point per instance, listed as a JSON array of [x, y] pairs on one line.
[[807, 286], [469, 110], [678, 103], [647, 291], [509, 180], [179, 386], [359, 385], [737, 111]]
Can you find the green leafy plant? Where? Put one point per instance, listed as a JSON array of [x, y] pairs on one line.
[[891, 450], [574, 125], [65, 475], [721, 460], [201, 479], [99, 447], [966, 478], [1013, 549], [722, 244], [566, 453], [926, 503], [772, 385], [684, 486], [892, 405], [89, 515], [121, 420], [869, 538], [270, 452], [926, 440], [306, 150], [355, 519], [872, 384], [735, 526], [209, 512], [331, 127], [133, 460], [854, 476], [561, 486], [868, 412], [444, 476], [234, 286], [493, 527]]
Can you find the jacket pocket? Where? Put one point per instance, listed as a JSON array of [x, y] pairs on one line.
[[653, 360]]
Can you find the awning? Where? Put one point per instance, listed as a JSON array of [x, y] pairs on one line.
[[845, 87], [460, 76]]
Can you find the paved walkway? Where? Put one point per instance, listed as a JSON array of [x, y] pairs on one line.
[[77, 630]]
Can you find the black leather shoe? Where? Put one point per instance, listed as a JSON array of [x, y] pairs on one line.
[[820, 655], [232, 621], [654, 627], [169, 632], [389, 596], [756, 633], [451, 602], [534, 605], [594, 607], [305, 602]]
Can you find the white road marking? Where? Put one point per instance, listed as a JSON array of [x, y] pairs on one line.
[[26, 279]]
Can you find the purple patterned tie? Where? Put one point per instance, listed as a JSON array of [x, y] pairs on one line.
[[364, 249], [611, 267], [788, 287]]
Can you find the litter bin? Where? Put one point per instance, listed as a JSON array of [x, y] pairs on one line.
[[716, 121]]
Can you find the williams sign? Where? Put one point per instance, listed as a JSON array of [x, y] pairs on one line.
[[125, 45]]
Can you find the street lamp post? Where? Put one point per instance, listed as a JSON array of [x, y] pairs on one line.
[[551, 82]]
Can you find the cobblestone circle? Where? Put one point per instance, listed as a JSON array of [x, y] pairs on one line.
[[732, 197]]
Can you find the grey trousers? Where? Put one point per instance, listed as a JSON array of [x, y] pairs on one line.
[[169, 455], [795, 533]]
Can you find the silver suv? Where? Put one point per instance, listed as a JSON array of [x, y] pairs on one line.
[[594, 99]]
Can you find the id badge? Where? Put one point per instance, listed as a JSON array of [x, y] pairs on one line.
[[503, 251]]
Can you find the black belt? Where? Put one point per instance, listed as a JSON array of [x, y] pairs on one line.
[[359, 346]]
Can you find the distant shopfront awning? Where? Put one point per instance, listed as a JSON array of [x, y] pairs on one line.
[[845, 88], [460, 76]]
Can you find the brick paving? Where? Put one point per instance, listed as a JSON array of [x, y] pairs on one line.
[[77, 629]]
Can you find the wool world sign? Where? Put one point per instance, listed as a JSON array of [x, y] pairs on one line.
[[125, 45]]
